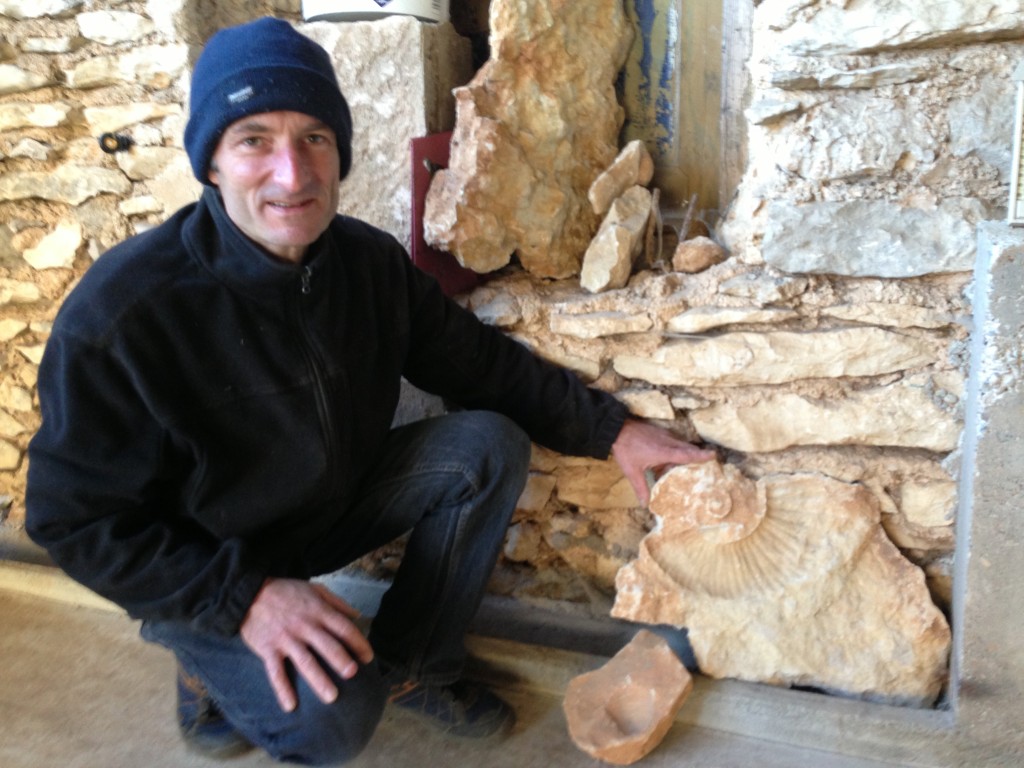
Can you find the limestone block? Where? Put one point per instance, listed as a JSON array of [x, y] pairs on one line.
[[32, 149], [901, 416], [140, 206], [534, 128], [855, 138], [14, 79], [867, 238], [536, 493], [648, 403], [142, 163], [831, 30], [596, 325], [768, 110], [763, 288], [34, 9], [33, 354], [787, 580], [852, 79], [72, 184], [155, 66], [33, 115], [595, 485], [397, 72], [50, 44], [622, 711], [111, 27], [697, 254], [977, 123], [524, 543], [120, 116], [175, 186], [609, 259], [700, 319], [18, 292], [10, 427], [57, 250], [745, 358], [10, 329], [633, 166], [501, 311], [892, 315], [15, 398], [10, 456], [929, 504]]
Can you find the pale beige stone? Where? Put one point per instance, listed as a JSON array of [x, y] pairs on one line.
[[697, 254], [111, 27], [18, 292], [745, 358], [9, 328], [700, 319], [763, 288], [596, 325], [14, 79], [621, 712], [72, 184], [34, 9], [175, 186], [891, 315], [15, 398], [155, 66], [868, 27], [929, 504], [501, 311], [33, 354], [595, 485], [648, 403], [609, 259], [632, 167], [33, 115], [10, 456], [58, 249], [903, 416], [787, 580], [536, 493], [536, 125], [141, 163], [51, 44], [10, 427], [140, 206], [118, 117], [32, 149]]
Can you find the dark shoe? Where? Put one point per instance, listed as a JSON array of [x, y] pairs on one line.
[[460, 709], [202, 725]]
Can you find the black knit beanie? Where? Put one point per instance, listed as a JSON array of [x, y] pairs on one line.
[[263, 66]]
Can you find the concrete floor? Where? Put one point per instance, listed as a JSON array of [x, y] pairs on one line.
[[79, 689]]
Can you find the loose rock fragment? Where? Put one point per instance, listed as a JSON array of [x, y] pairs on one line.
[[697, 254], [622, 711], [632, 167]]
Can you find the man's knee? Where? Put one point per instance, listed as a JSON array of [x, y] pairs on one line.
[[500, 439], [329, 734]]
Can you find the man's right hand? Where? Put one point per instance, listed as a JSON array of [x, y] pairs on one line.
[[296, 621]]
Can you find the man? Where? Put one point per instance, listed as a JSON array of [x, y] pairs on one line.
[[217, 395]]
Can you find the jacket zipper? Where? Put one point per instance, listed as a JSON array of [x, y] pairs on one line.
[[323, 406]]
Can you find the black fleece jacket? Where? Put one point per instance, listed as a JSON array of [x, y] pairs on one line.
[[208, 410]]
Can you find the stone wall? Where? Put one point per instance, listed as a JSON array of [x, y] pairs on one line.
[[833, 340]]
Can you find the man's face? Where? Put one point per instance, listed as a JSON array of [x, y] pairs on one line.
[[278, 175]]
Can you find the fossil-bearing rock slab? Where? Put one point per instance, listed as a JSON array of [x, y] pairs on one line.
[[787, 580], [621, 712], [534, 128]]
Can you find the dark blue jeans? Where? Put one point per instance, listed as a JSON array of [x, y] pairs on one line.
[[453, 482]]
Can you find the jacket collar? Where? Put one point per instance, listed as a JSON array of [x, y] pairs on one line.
[[219, 245]]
